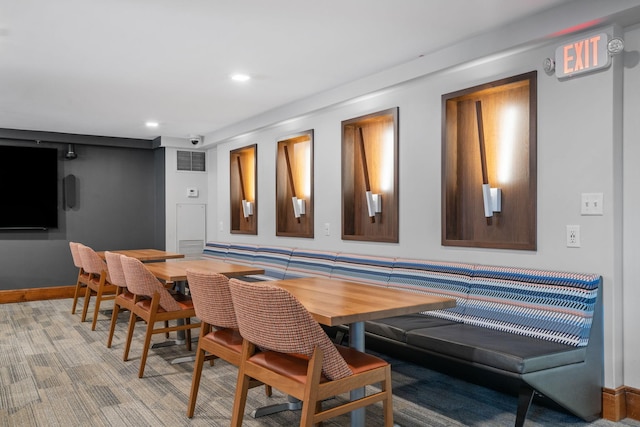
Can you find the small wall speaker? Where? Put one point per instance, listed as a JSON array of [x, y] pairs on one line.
[[69, 184]]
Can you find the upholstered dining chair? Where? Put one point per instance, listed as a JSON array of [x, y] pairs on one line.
[[99, 283], [124, 300], [297, 357], [219, 335], [159, 306], [83, 276]]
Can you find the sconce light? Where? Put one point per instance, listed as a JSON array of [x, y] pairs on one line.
[[247, 208], [298, 206], [492, 198], [615, 46], [374, 204]]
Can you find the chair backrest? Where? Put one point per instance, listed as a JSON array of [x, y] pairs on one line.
[[273, 319], [114, 266], [75, 254], [91, 261], [212, 298], [141, 281]]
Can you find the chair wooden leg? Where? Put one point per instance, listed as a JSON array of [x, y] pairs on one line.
[[76, 294], [311, 405], [387, 404], [112, 327], [85, 307], [145, 349], [151, 321], [197, 373], [96, 310], [242, 388], [132, 325]]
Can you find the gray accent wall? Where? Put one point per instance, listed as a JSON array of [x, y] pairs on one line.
[[119, 205]]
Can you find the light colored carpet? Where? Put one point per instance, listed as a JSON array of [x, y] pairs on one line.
[[54, 371]]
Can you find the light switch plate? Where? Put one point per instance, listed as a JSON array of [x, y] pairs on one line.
[[592, 204]]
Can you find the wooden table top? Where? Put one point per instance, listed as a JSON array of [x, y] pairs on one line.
[[176, 270], [335, 302], [147, 254]]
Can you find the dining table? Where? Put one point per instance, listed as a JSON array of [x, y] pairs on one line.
[[334, 302], [176, 270], [146, 255]]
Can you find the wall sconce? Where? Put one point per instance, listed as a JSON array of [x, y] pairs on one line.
[[492, 198], [374, 203], [247, 208], [298, 207], [615, 46]]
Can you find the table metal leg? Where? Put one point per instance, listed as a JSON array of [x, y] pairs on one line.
[[356, 340], [292, 404]]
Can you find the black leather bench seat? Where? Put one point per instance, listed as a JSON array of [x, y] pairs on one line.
[[501, 350], [396, 328]]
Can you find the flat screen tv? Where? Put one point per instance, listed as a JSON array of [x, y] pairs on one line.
[[28, 188]]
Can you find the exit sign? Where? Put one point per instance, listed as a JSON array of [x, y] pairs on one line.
[[583, 55]]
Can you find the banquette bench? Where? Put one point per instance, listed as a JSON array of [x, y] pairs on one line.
[[541, 329]]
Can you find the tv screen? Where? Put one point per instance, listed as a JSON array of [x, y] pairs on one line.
[[28, 187]]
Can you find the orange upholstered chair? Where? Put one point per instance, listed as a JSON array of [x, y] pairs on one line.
[[99, 283], [124, 299], [297, 357], [219, 335], [158, 306], [83, 276]]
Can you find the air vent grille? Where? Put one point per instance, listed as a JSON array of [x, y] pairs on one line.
[[191, 161]]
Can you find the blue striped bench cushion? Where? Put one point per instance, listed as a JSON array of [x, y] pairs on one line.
[[444, 279], [216, 250], [308, 262], [554, 306], [273, 259], [241, 253], [374, 270]]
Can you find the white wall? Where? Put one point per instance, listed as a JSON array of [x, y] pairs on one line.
[[631, 197], [579, 151]]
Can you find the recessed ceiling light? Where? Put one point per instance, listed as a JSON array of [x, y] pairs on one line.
[[240, 77], [151, 124]]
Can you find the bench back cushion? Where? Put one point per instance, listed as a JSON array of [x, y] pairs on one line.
[[373, 270], [216, 250], [273, 259], [239, 253], [444, 279], [554, 306], [309, 262]]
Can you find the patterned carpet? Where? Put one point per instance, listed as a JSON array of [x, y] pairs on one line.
[[54, 371]]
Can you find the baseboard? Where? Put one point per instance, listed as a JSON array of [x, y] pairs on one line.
[[622, 402], [36, 294]]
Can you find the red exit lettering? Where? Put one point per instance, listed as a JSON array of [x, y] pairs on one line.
[[581, 55]]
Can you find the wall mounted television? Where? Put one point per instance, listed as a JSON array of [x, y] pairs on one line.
[[28, 188]]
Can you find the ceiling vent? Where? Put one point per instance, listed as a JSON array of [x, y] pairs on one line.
[[193, 161]]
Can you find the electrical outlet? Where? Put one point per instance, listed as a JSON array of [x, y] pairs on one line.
[[573, 236], [327, 229]]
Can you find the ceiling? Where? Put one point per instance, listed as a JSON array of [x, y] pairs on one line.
[[105, 67]]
